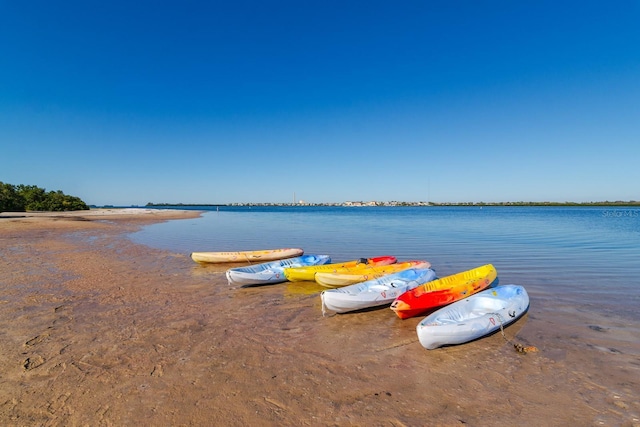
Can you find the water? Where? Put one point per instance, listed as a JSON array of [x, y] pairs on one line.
[[579, 266], [583, 256]]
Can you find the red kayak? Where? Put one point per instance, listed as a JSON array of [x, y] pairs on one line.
[[443, 291]]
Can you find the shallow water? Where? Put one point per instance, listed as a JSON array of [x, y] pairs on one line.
[[121, 334], [581, 255]]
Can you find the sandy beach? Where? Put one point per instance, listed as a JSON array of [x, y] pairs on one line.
[[98, 331]]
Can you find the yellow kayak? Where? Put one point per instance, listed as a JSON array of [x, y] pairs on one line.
[[357, 274], [297, 274], [248, 256]]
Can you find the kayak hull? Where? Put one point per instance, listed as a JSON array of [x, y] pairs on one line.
[[376, 292], [297, 274], [443, 291], [271, 272], [249, 256], [348, 277], [474, 317]]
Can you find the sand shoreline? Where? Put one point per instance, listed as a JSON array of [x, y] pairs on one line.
[[96, 330], [101, 213]]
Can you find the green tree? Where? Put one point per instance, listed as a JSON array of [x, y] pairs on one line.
[[10, 199], [58, 201], [33, 198]]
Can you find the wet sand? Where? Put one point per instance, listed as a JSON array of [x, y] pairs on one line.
[[96, 330]]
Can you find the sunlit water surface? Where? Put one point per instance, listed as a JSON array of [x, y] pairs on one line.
[[581, 256]]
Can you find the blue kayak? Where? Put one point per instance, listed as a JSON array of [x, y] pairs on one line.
[[272, 272]]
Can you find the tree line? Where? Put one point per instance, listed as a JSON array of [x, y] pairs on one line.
[[21, 198]]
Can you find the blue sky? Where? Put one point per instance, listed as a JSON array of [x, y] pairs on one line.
[[126, 103]]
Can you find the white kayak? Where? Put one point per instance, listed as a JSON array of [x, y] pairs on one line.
[[271, 272], [374, 292], [473, 317]]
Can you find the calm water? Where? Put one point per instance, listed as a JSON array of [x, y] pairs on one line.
[[585, 256]]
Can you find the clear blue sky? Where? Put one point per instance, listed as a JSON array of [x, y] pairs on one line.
[[129, 102]]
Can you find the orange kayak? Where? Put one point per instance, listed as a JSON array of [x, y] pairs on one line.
[[296, 274], [349, 276], [443, 291]]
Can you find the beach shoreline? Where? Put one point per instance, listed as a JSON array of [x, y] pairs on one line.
[[134, 214], [98, 330]]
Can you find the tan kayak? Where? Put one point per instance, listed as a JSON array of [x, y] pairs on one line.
[[248, 256]]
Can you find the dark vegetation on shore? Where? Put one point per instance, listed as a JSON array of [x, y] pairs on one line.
[[22, 198]]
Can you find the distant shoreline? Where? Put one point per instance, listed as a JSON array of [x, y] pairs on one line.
[[393, 203]]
